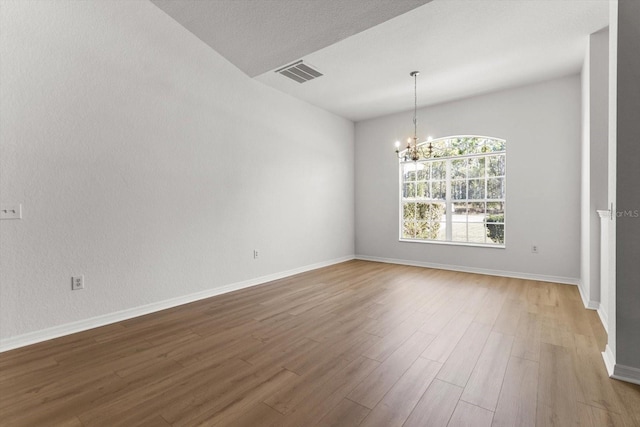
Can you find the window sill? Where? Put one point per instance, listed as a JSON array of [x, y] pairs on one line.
[[442, 242]]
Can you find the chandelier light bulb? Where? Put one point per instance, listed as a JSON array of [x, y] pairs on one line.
[[397, 144]]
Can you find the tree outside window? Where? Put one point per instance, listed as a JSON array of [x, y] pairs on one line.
[[457, 195]]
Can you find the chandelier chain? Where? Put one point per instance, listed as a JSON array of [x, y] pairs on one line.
[[415, 105], [412, 151]]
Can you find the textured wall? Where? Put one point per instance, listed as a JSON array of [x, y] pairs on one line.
[[148, 163], [541, 124]]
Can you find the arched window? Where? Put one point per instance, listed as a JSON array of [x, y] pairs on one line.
[[457, 194]]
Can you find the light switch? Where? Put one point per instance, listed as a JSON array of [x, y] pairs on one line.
[[11, 211]]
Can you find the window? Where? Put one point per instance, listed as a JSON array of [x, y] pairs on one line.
[[457, 195]]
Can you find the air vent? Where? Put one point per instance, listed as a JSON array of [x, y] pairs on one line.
[[299, 72]]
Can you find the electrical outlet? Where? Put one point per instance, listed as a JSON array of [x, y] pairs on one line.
[[255, 254], [534, 249], [11, 212], [77, 283]]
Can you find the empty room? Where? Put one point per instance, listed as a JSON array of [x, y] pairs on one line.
[[319, 213]]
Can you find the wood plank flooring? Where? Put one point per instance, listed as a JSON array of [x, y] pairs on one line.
[[358, 343]]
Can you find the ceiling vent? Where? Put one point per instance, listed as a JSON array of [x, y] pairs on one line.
[[299, 72]]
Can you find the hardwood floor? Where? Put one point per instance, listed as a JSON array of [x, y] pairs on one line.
[[358, 343]]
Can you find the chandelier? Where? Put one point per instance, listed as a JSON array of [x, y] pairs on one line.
[[413, 151]]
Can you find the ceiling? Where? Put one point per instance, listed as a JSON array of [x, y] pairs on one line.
[[260, 35], [366, 48]]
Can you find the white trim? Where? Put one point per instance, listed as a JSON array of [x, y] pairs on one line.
[[453, 243], [603, 318], [620, 372], [427, 141], [588, 304], [118, 316], [609, 359], [465, 269], [610, 271]]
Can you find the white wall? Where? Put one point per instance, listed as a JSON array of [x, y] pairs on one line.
[[594, 164], [541, 124], [599, 144], [148, 163], [586, 239]]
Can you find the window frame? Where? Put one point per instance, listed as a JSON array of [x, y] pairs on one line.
[[449, 200]]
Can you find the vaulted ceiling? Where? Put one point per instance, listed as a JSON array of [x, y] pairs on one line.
[[365, 49]]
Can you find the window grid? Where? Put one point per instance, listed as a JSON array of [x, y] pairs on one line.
[[458, 198]]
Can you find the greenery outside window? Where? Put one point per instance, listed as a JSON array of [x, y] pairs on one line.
[[457, 195]]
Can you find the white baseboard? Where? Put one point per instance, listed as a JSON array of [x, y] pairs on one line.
[[609, 359], [465, 269], [620, 372], [590, 304], [106, 319], [604, 318]]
